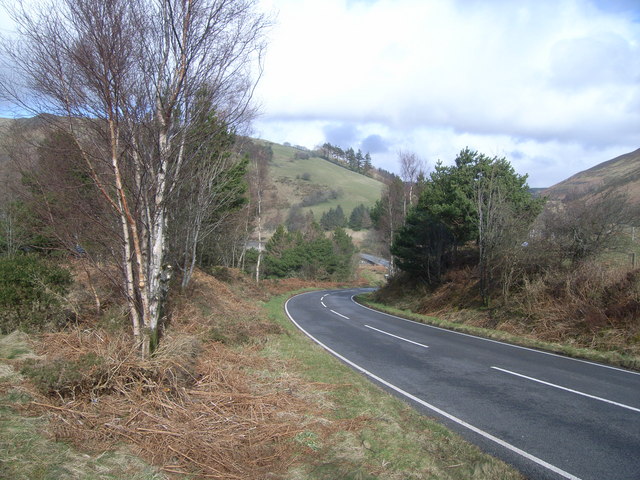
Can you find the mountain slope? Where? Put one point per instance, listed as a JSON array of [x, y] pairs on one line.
[[301, 178], [618, 175]]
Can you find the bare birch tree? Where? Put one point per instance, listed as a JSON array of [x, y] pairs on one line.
[[493, 215], [387, 215], [209, 191], [258, 185], [122, 76], [412, 168]]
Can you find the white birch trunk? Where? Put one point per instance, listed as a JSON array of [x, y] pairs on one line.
[[259, 235], [132, 299]]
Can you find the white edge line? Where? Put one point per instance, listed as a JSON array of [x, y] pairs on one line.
[[486, 435], [322, 303], [339, 314], [396, 336], [498, 341], [577, 392]]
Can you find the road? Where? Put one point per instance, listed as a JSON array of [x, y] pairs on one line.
[[550, 416]]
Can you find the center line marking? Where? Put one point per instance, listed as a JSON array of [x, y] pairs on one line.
[[396, 336], [568, 389], [339, 314]]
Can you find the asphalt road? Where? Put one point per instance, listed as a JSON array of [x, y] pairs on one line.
[[550, 416]]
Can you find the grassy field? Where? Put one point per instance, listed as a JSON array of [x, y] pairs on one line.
[[287, 174]]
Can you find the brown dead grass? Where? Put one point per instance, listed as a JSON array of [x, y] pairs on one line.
[[592, 306], [216, 422], [459, 289], [197, 407]]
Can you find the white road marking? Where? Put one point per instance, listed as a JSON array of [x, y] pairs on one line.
[[486, 435], [339, 314], [498, 341], [577, 392], [396, 336], [322, 299]]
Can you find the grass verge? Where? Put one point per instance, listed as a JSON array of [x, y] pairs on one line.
[[610, 358], [378, 436]]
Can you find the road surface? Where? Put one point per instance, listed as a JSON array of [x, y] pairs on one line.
[[550, 416]]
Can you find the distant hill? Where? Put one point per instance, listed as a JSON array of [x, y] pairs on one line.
[[318, 185], [619, 175], [536, 191]]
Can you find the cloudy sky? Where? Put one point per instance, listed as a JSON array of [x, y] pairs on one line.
[[553, 85]]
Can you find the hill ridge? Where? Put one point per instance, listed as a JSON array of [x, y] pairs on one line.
[[619, 175]]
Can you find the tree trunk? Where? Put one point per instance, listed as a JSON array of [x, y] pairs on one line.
[[259, 261]]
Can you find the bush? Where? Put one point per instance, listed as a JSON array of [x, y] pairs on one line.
[[320, 196], [31, 290], [66, 377]]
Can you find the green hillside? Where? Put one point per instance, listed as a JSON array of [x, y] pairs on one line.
[[296, 177]]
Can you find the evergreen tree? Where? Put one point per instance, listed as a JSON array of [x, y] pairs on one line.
[[423, 246], [333, 218], [450, 193], [359, 218], [367, 163], [312, 255], [343, 249], [359, 163], [477, 199], [352, 161]]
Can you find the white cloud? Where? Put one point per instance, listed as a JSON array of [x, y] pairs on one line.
[[545, 78], [553, 85]]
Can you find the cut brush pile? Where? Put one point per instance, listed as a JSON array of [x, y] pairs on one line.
[[195, 408]]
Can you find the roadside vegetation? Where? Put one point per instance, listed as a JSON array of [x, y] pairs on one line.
[[233, 391], [478, 251]]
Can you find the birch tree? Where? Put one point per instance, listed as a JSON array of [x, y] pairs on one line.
[[209, 191], [121, 77], [258, 186], [412, 168], [387, 215]]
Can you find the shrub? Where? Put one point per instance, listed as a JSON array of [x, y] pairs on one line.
[[31, 290], [66, 377]]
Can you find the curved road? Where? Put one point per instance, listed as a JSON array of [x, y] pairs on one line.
[[550, 416]]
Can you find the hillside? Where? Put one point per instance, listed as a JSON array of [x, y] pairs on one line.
[[618, 175], [298, 177]]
